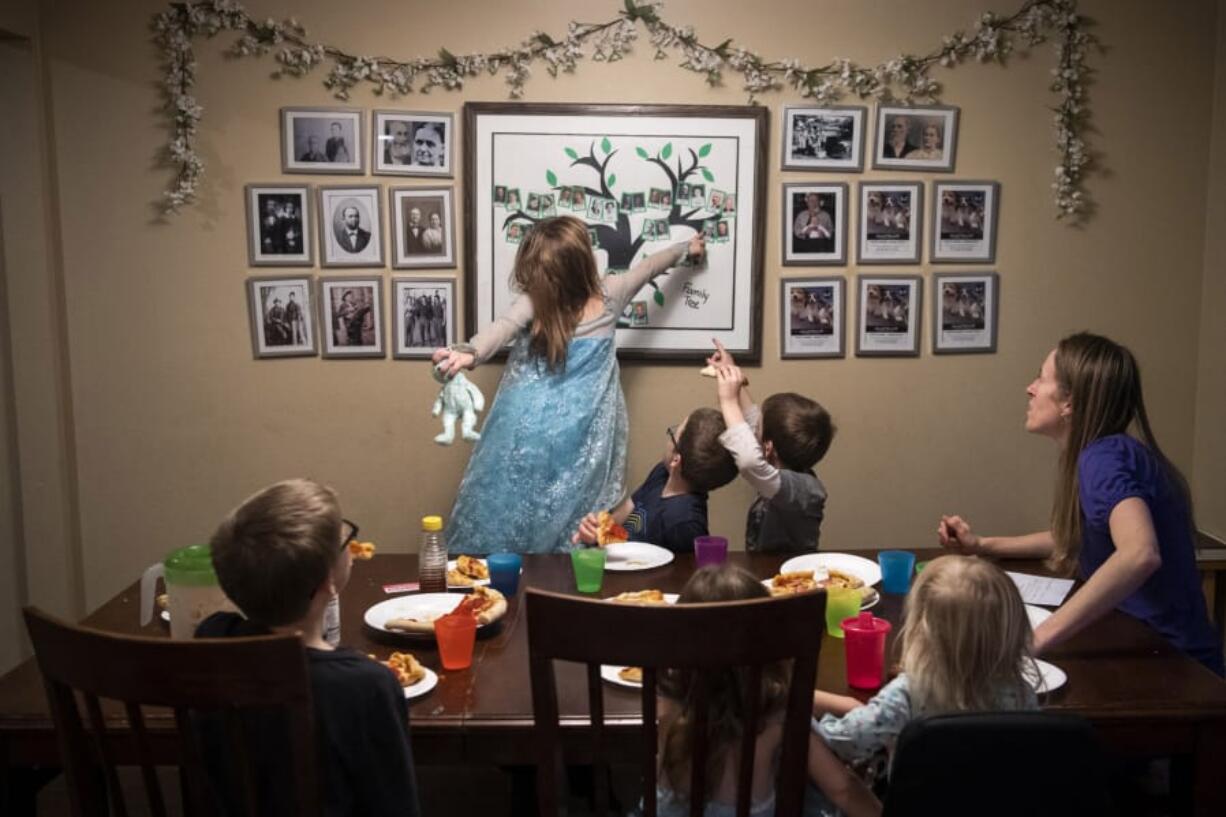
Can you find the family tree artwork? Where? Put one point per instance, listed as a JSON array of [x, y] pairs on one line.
[[642, 178]]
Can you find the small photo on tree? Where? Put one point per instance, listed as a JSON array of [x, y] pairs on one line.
[[640, 202], [594, 237], [564, 196], [595, 208], [730, 205], [717, 200], [578, 199], [514, 202], [547, 205], [655, 199], [708, 229], [649, 230], [663, 230], [534, 203], [638, 313], [666, 200], [722, 230], [515, 232], [500, 195], [609, 212], [698, 195], [683, 193], [627, 202]]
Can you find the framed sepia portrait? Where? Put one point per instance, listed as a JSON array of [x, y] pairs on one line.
[[412, 143], [423, 225], [891, 222], [814, 224], [322, 140], [351, 314], [279, 225], [965, 307], [911, 138], [824, 139], [964, 219], [888, 308], [282, 320], [350, 227], [811, 319], [423, 316]]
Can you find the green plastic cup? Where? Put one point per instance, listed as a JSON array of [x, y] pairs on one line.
[[841, 603], [589, 569]]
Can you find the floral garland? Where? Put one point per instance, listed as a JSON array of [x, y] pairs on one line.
[[904, 78]]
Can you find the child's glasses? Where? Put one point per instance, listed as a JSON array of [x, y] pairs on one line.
[[672, 435], [349, 532]]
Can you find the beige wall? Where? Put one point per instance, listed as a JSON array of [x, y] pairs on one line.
[[174, 421]]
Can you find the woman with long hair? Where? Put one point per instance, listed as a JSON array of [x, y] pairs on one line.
[[1122, 517]]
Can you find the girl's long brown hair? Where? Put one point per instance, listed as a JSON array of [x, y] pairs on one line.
[[555, 268], [1102, 381], [725, 692]]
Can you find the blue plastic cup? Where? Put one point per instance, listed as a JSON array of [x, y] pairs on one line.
[[504, 572], [896, 569]]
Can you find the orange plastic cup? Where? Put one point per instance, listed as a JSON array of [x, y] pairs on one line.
[[456, 635]]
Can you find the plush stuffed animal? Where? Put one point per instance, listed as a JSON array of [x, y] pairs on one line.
[[458, 398]]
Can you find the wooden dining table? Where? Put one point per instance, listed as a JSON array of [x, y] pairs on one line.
[[1144, 698]]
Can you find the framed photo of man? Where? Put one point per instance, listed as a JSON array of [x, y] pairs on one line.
[[889, 315], [351, 312], [279, 225], [322, 140], [814, 224], [824, 139], [413, 143], [811, 323], [423, 315], [423, 225], [891, 222], [350, 227], [964, 312], [964, 218], [282, 319], [916, 138]]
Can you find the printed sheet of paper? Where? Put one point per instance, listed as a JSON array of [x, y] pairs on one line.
[[1041, 589]]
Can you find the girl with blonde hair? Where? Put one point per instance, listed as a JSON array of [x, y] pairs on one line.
[[554, 444], [1122, 516], [964, 647]]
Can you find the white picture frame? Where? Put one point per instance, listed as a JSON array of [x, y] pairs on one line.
[[889, 312], [890, 224], [351, 312], [812, 317], [965, 312], [965, 215], [339, 246]]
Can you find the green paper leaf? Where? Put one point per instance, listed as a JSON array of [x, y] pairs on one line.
[[551, 178], [704, 150], [572, 154], [658, 297], [644, 154], [606, 145], [706, 174], [612, 179], [668, 151]]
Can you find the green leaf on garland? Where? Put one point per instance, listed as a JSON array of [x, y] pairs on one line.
[[644, 154], [706, 174], [658, 297], [551, 178], [704, 150], [668, 151], [612, 179], [606, 145], [572, 154]]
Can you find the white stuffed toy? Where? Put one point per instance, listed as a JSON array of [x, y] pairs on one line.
[[458, 398]]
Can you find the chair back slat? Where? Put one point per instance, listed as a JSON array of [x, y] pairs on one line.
[[749, 741], [548, 747], [651, 742], [240, 760], [699, 749], [153, 787], [98, 731], [193, 783], [595, 694]]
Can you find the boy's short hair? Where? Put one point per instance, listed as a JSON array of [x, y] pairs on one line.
[[705, 463], [274, 551], [799, 428]]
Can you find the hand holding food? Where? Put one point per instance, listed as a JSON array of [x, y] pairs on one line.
[[608, 531]]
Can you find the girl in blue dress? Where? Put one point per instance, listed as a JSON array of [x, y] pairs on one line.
[[554, 443]]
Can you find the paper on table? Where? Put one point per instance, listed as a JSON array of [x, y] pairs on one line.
[[1040, 589]]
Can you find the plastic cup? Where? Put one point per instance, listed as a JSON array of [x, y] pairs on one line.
[[456, 635], [864, 646], [919, 567], [896, 569], [504, 572], [710, 550], [841, 603], [588, 564]]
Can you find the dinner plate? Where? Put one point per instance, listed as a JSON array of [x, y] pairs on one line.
[[867, 600], [669, 598], [865, 570], [1037, 615], [429, 682], [609, 673], [451, 563], [626, 556], [1050, 677], [166, 616], [418, 605]]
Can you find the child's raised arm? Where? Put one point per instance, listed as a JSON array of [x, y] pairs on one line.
[[622, 288]]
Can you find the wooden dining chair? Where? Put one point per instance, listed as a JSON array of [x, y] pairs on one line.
[[227, 689], [751, 634]]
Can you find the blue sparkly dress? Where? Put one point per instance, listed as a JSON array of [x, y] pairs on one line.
[[553, 447]]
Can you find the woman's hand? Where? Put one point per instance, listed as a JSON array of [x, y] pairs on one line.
[[698, 247], [586, 535], [955, 534], [450, 361]]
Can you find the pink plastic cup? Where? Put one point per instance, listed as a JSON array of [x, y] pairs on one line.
[[864, 643]]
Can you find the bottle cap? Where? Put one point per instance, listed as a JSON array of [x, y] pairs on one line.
[[432, 523]]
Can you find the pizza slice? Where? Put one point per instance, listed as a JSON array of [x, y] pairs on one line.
[[407, 669], [485, 603], [631, 675], [608, 531], [361, 550], [640, 597], [467, 572], [795, 581]]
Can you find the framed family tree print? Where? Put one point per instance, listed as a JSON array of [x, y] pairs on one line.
[[351, 312], [812, 321], [350, 227], [322, 140], [279, 225], [916, 138], [423, 226], [891, 219], [412, 143], [964, 222], [642, 177], [282, 322], [814, 224], [889, 315], [964, 312], [423, 315], [823, 139]]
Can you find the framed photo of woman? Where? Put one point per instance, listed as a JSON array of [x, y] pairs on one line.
[[423, 316], [964, 219], [965, 307], [891, 219], [916, 138], [351, 312], [811, 323], [889, 315], [824, 139], [423, 225], [814, 224]]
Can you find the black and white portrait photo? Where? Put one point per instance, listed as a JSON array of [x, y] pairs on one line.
[[823, 139], [350, 228], [281, 316], [964, 222], [423, 222], [321, 140], [812, 321], [916, 138], [279, 226], [423, 317], [815, 224], [889, 315], [891, 215], [964, 312], [412, 143], [350, 309]]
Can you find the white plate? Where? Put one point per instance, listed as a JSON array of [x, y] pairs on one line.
[[865, 570], [166, 616], [423, 686], [1037, 615], [669, 598], [865, 601], [609, 673], [1050, 677], [626, 556], [451, 563], [418, 605]]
